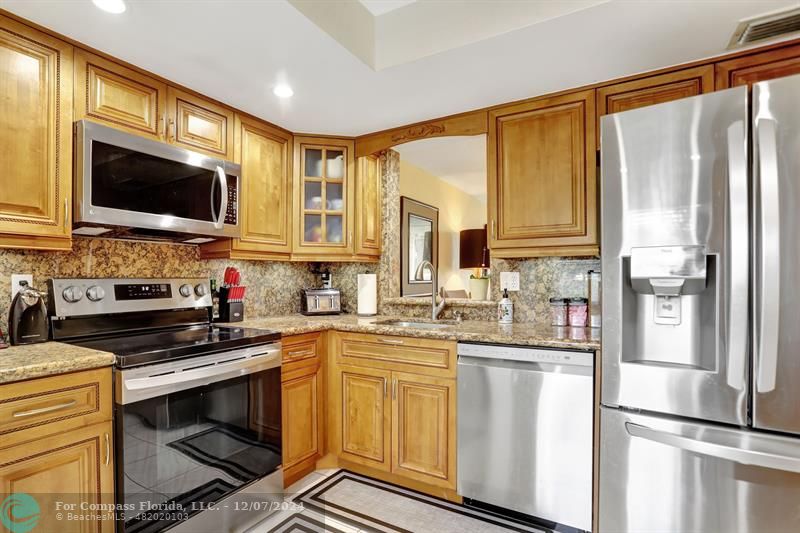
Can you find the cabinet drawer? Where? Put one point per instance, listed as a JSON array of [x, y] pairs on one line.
[[399, 353], [300, 347], [32, 409]]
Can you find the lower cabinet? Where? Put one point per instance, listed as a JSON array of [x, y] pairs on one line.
[[56, 445], [402, 422], [302, 405]]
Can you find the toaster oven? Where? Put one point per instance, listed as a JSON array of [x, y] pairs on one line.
[[321, 302]]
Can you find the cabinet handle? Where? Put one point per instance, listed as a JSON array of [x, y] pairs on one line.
[[171, 129], [350, 236], [391, 341], [42, 410], [384, 389], [66, 212], [108, 449], [493, 233], [394, 389], [164, 126]]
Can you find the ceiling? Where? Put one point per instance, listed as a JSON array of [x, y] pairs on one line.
[[459, 161], [379, 7], [237, 50]]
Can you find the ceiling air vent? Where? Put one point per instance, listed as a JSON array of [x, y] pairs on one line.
[[764, 27]]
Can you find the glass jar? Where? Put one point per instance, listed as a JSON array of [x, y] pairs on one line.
[[578, 308], [558, 311]]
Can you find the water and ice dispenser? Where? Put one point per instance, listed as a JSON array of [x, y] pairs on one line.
[[668, 303]]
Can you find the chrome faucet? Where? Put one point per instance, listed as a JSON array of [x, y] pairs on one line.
[[435, 309]]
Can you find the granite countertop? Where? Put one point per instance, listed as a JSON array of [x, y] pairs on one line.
[[520, 333], [31, 361]]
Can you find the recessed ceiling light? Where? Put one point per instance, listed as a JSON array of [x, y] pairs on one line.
[[282, 90], [112, 6]]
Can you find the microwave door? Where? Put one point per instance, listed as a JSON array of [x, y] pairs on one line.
[[135, 182], [776, 193]]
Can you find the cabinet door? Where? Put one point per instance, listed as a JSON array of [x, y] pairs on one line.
[[365, 416], [119, 96], [368, 206], [541, 166], [323, 227], [653, 90], [70, 467], [751, 69], [199, 125], [423, 429], [301, 411], [35, 138]]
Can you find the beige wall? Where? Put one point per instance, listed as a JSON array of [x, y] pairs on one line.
[[457, 211]]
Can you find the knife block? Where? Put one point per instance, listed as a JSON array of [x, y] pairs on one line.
[[229, 311]]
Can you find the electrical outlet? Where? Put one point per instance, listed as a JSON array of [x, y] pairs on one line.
[[15, 279], [509, 280]]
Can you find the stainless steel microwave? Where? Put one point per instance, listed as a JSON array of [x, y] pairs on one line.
[[127, 186]]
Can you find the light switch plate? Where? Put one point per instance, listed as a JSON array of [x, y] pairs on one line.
[[509, 280], [15, 279]]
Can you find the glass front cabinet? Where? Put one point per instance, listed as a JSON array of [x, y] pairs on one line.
[[326, 201]]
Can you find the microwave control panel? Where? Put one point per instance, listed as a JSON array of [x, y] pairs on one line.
[[233, 201]]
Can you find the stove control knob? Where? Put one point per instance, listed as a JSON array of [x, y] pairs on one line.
[[72, 294], [200, 290], [185, 290], [95, 293]]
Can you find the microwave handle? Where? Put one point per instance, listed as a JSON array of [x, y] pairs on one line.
[[223, 207]]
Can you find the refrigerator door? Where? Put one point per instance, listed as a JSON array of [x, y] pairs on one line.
[[675, 241], [776, 261], [660, 474]]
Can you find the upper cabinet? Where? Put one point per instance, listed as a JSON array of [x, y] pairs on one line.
[[753, 68], [542, 185], [129, 100], [368, 206], [653, 90], [35, 138], [119, 96], [265, 153], [198, 124]]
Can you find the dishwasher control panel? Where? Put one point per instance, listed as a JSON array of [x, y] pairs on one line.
[[526, 354]]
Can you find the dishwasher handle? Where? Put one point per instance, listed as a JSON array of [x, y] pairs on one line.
[[468, 362]]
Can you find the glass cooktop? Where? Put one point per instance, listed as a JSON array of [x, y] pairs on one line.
[[134, 349]]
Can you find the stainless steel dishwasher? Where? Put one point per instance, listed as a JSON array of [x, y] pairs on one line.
[[525, 430]]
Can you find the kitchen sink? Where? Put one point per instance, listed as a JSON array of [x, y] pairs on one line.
[[414, 324]]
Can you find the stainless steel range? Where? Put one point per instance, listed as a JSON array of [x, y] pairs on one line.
[[197, 406]]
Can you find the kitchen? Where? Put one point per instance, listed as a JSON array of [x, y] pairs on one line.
[[223, 322]]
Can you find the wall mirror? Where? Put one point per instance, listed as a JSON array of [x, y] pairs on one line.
[[419, 234]]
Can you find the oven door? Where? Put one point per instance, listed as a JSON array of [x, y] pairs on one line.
[[189, 433], [125, 180]]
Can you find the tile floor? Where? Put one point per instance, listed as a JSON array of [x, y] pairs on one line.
[[311, 479]]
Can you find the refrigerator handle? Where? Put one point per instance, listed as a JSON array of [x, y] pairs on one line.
[[768, 298], [738, 262], [721, 450]]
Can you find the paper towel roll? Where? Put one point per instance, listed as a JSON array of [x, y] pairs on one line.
[[367, 294]]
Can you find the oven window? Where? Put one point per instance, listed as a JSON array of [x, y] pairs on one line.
[[133, 181], [196, 446]]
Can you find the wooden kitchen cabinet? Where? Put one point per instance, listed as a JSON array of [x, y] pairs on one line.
[[74, 467], [542, 185], [368, 207], [365, 416], [118, 96], [35, 139], [394, 409], [264, 152], [652, 90], [750, 69], [199, 124], [302, 400], [423, 422]]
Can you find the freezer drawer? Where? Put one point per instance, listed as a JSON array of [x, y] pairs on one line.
[[525, 431], [659, 474]]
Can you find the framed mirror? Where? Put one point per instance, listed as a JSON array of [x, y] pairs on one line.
[[419, 241]]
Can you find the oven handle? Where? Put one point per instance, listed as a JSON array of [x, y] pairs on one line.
[[187, 379]]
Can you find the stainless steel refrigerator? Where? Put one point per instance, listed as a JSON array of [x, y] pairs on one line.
[[700, 423]]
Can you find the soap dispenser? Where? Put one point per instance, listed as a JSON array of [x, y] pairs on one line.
[[505, 309]]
